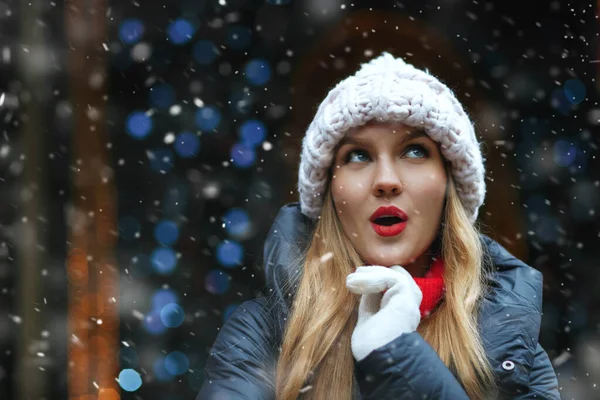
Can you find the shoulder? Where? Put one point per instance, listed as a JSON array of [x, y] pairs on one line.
[[242, 360], [250, 328], [512, 281]]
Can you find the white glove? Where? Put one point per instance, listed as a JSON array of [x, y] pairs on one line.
[[381, 319]]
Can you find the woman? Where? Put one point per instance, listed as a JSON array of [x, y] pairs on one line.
[[381, 285]]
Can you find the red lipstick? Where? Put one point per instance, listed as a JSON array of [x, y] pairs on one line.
[[388, 221]]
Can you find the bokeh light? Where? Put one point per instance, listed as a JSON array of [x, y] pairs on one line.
[[230, 254], [172, 315], [278, 2], [153, 324], [164, 260], [574, 91], [162, 297], [160, 372], [166, 232], [187, 144], [217, 282], [258, 71], [138, 124], [205, 52], [242, 155], [560, 101], [131, 30], [237, 222], [547, 229], [564, 153], [177, 363], [130, 380], [180, 31], [161, 159], [239, 37], [162, 96], [241, 102], [208, 118], [252, 133]]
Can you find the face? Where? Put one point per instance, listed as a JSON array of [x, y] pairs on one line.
[[389, 164]]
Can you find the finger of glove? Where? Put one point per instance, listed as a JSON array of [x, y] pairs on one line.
[[404, 294], [369, 305], [373, 279], [408, 281]]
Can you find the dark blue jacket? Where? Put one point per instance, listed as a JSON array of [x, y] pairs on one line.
[[242, 361]]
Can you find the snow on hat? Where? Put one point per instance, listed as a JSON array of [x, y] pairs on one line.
[[387, 89]]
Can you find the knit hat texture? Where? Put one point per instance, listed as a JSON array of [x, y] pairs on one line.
[[387, 89]]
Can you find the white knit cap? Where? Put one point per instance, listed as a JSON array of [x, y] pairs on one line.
[[387, 89]]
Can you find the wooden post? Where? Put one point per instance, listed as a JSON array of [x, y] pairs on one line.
[[91, 268]]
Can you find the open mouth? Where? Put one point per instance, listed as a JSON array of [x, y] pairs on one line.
[[387, 221]]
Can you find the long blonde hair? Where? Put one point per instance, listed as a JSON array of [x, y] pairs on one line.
[[316, 360]]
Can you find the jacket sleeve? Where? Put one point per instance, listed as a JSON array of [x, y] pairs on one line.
[[543, 383], [407, 368], [241, 361]]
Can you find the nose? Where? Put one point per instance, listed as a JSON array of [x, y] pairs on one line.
[[387, 181]]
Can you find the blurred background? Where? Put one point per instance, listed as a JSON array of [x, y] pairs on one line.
[[146, 147]]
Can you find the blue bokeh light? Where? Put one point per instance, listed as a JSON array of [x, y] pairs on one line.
[[166, 232], [564, 153], [242, 155], [258, 71], [237, 222], [560, 102], [252, 133], [230, 254], [208, 118], [172, 315], [574, 91], [129, 228], [131, 30], [161, 160], [153, 324], [177, 363], [241, 102], [548, 229], [229, 310], [162, 96], [160, 372], [164, 260], [205, 52], [239, 37], [162, 297], [187, 144], [130, 380], [180, 31], [217, 282], [138, 124]]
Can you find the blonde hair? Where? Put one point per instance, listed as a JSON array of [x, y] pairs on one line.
[[316, 359]]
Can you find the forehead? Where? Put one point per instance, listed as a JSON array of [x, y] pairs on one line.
[[366, 132]]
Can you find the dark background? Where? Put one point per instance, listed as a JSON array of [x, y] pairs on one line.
[[73, 74]]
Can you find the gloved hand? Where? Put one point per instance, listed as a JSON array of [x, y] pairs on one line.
[[382, 318]]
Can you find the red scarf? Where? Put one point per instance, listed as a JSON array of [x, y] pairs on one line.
[[432, 286]]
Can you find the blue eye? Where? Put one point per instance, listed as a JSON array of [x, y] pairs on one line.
[[362, 153], [419, 148]]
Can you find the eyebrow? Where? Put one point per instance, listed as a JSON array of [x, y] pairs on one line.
[[368, 142]]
